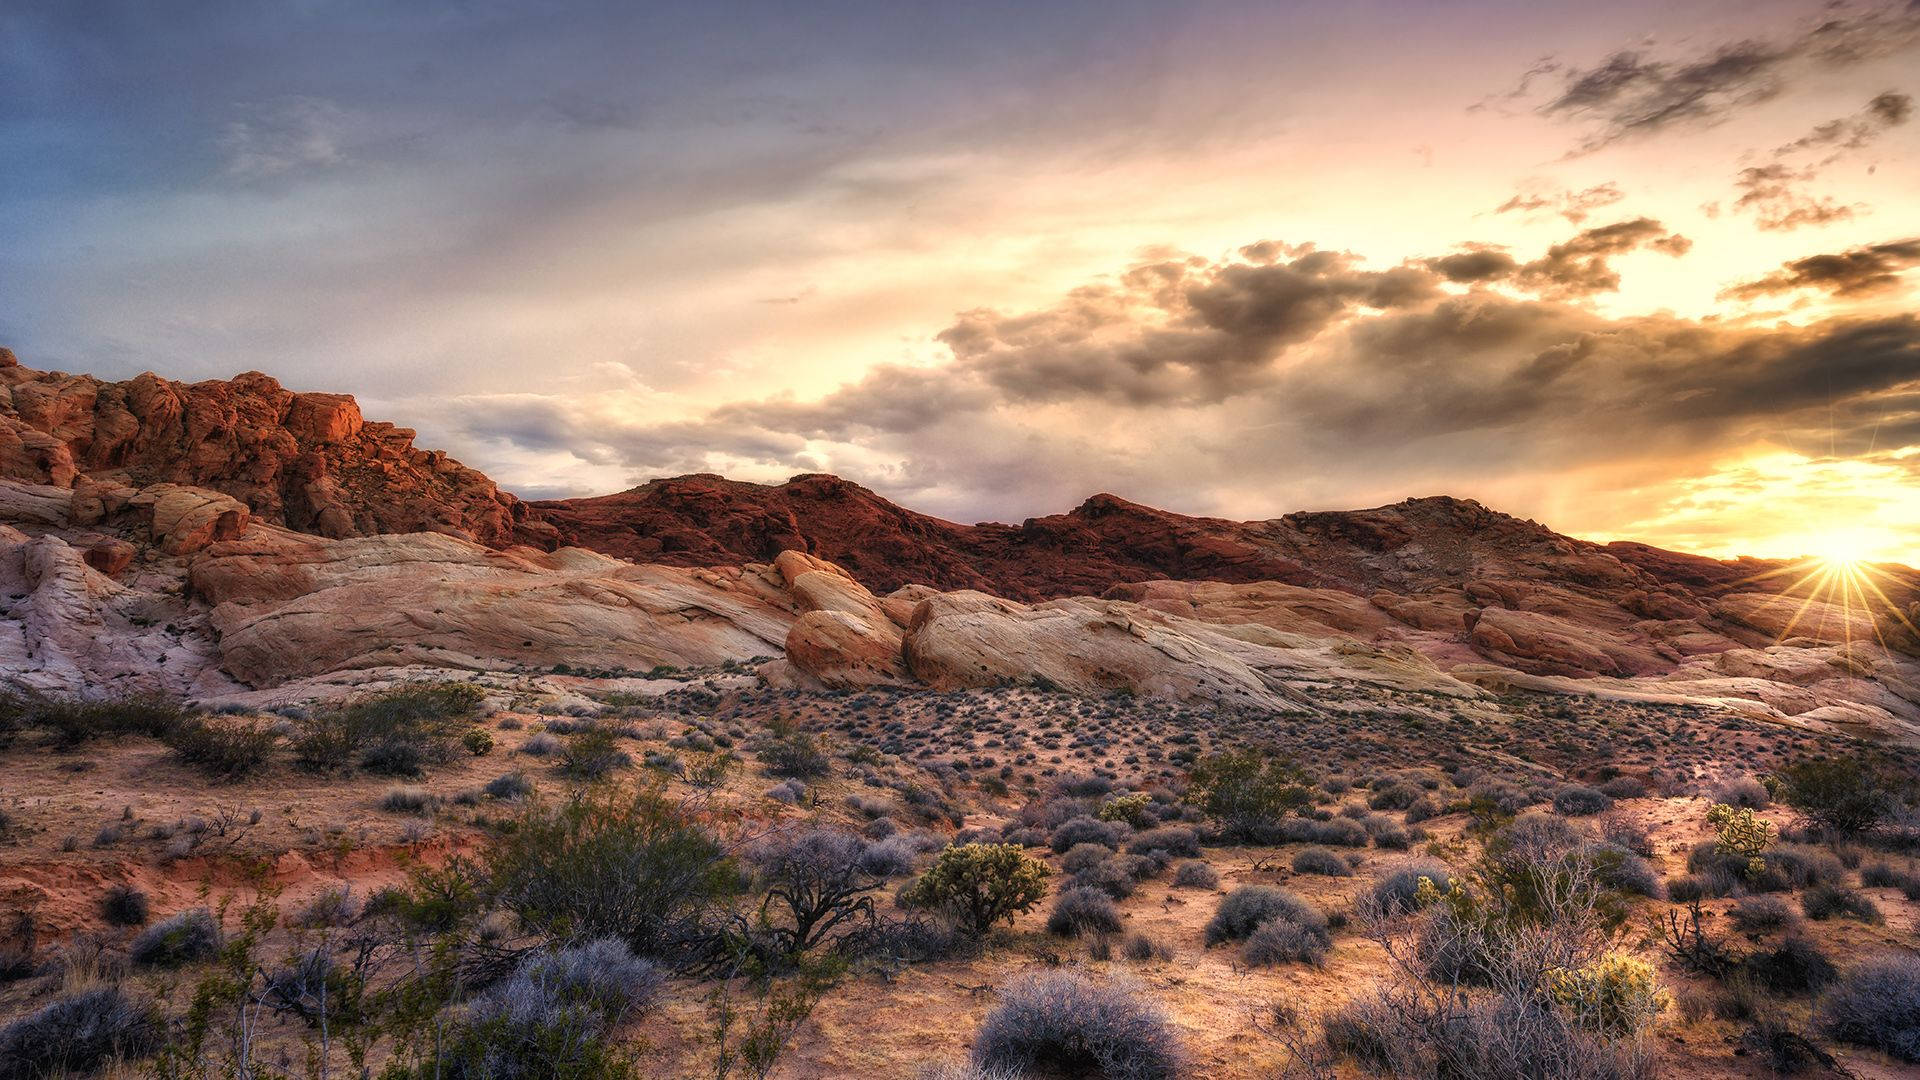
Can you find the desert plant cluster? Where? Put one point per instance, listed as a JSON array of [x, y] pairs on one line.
[[727, 881]]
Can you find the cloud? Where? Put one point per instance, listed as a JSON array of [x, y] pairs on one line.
[[1581, 266], [1575, 206], [1477, 263], [1772, 194], [1630, 94], [1204, 384], [1856, 272], [1885, 112], [290, 135]]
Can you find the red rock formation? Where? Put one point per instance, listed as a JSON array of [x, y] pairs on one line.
[[705, 520], [308, 461]]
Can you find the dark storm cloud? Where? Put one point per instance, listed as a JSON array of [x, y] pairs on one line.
[[1582, 265], [1855, 272], [1632, 94]]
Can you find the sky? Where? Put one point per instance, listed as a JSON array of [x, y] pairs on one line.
[[1636, 270]]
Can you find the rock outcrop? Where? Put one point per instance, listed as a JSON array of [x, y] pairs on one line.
[[308, 461]]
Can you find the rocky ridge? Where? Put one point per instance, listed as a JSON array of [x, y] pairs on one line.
[[121, 575]]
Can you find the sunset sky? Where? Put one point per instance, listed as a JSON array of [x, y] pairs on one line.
[[1637, 270]]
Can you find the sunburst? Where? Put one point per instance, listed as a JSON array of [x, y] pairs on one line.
[[1841, 578]]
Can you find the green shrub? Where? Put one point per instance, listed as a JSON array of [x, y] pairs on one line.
[[980, 885], [73, 723], [223, 748], [789, 750], [592, 755], [1247, 791], [478, 742], [395, 732], [636, 867], [1848, 794]]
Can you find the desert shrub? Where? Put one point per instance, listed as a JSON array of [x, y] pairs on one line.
[[1396, 797], [1625, 871], [1399, 892], [1823, 902], [1085, 830], [1795, 966], [78, 1034], [332, 907], [550, 1018], [1628, 835], [1320, 861], [889, 858], [592, 755], [636, 867], [789, 750], [540, 744], [1615, 994], [477, 741], [73, 723], [1424, 808], [817, 878], [1066, 1024], [190, 936], [1281, 941], [1338, 832], [1576, 800], [1082, 910], [1624, 787], [1877, 1005], [1884, 875], [980, 885], [1177, 840], [1743, 792], [1130, 809], [1247, 791], [1196, 875], [511, 785], [1761, 914], [1389, 836], [1081, 856], [1140, 948], [1498, 797], [1110, 876], [221, 748], [394, 733], [1848, 794], [1804, 867], [124, 905], [1503, 1037], [1241, 912], [406, 800]]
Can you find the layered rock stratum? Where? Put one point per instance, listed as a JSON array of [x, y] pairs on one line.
[[235, 540]]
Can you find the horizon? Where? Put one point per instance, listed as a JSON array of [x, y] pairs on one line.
[[1642, 272]]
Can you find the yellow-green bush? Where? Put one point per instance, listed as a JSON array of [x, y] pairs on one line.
[[980, 884], [1131, 809], [1739, 832], [1616, 994]]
